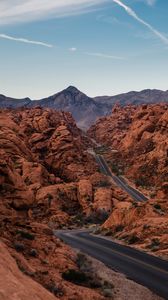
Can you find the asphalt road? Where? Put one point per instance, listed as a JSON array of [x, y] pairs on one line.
[[136, 195], [142, 268]]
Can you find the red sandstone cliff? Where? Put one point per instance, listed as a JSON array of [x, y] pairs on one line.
[[135, 140]]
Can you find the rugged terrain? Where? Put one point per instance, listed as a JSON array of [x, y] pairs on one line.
[[84, 109], [135, 143], [44, 179], [48, 180]]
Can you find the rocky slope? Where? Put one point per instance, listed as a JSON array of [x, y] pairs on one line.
[[136, 140], [44, 171], [48, 180], [86, 110]]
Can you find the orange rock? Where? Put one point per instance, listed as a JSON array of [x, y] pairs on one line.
[[14, 285], [103, 200], [85, 195]]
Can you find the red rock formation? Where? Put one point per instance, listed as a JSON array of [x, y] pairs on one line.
[[136, 140], [42, 158], [14, 285]]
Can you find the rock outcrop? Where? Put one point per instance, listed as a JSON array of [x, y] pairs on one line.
[[138, 145], [44, 166], [14, 285], [135, 141]]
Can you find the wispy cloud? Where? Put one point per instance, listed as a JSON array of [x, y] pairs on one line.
[[13, 11], [151, 2], [73, 49], [23, 40], [133, 14], [112, 20], [103, 55]]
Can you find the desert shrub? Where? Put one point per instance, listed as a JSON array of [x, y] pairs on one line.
[[154, 246], [119, 228], [19, 247], [133, 239], [26, 235], [52, 287], [155, 242], [157, 206], [33, 253], [141, 181], [103, 183], [146, 226], [86, 275], [75, 276]]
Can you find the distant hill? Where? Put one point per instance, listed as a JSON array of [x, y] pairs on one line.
[[86, 110], [135, 98]]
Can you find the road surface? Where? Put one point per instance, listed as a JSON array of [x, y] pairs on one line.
[[136, 195], [143, 268]]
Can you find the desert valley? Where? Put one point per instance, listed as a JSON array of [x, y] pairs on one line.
[[83, 150], [52, 179]]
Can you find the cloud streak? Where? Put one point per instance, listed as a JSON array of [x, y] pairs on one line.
[[23, 40], [133, 14], [103, 55], [14, 11]]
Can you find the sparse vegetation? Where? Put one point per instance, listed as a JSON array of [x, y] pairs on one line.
[[87, 276], [141, 181], [25, 234], [103, 183], [119, 228], [76, 277], [155, 243], [157, 206], [132, 239]]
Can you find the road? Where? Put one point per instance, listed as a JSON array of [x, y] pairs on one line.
[[136, 195], [143, 268]]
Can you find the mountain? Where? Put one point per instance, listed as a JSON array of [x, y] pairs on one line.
[[84, 109], [134, 98]]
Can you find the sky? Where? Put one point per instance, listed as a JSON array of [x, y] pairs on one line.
[[103, 47]]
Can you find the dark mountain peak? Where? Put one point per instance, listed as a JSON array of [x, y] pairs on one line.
[[74, 95], [72, 89], [74, 92]]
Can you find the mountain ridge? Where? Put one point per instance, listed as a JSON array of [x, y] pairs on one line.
[[86, 110]]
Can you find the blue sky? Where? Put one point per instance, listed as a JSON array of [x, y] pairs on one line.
[[101, 47]]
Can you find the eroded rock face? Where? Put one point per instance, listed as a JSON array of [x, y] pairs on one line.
[[85, 195], [43, 161], [143, 226], [39, 148], [14, 285], [103, 200], [138, 141]]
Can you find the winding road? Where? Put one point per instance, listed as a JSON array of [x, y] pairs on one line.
[[135, 194], [143, 268]]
